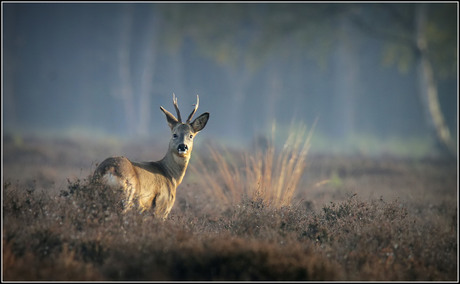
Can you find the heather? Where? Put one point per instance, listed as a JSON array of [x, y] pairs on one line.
[[343, 218]]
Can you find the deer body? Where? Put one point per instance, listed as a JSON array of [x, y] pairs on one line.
[[153, 184]]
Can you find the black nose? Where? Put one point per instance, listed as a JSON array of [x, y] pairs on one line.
[[182, 148]]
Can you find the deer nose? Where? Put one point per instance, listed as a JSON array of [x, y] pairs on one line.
[[182, 148]]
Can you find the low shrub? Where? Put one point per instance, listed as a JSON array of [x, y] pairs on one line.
[[81, 234]]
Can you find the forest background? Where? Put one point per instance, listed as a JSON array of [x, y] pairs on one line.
[[379, 78]]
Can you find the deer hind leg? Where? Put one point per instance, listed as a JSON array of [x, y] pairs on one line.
[[129, 190]]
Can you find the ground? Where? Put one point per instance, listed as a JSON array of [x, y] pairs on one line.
[[351, 218]]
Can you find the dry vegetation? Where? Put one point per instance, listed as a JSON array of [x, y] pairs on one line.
[[263, 174], [238, 216]]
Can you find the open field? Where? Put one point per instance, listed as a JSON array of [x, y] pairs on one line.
[[349, 218]]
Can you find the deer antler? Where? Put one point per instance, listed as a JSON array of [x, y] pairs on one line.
[[177, 108], [194, 110]]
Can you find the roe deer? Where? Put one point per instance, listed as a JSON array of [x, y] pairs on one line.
[[153, 184]]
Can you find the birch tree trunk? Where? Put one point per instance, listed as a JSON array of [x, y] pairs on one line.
[[428, 87]]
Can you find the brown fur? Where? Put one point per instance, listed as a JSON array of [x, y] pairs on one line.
[[153, 184]]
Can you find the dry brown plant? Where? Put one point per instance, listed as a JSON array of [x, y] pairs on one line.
[[269, 175]]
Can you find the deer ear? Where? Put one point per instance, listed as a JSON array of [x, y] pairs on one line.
[[200, 122], [172, 121]]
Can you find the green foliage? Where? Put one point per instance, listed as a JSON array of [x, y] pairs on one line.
[[335, 179], [400, 55], [400, 42], [442, 34], [255, 32]]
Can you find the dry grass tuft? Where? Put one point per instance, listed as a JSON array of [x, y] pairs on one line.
[[268, 175]]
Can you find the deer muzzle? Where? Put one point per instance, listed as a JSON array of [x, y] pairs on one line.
[[182, 149]]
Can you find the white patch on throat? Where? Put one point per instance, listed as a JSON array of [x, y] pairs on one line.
[[181, 160], [182, 152]]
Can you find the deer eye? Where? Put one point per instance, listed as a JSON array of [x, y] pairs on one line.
[[191, 136], [174, 135]]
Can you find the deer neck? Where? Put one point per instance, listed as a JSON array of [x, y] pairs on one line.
[[175, 166]]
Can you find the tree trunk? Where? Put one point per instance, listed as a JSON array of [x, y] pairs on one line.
[[149, 56], [346, 76], [239, 78], [428, 87], [124, 70]]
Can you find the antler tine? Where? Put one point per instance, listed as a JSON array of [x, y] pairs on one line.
[[194, 110], [176, 107]]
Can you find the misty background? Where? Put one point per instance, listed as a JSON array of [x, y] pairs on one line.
[[361, 71]]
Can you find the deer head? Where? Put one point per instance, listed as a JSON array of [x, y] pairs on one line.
[[181, 143]]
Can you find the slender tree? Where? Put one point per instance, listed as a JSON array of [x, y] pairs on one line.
[[421, 35], [428, 89]]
